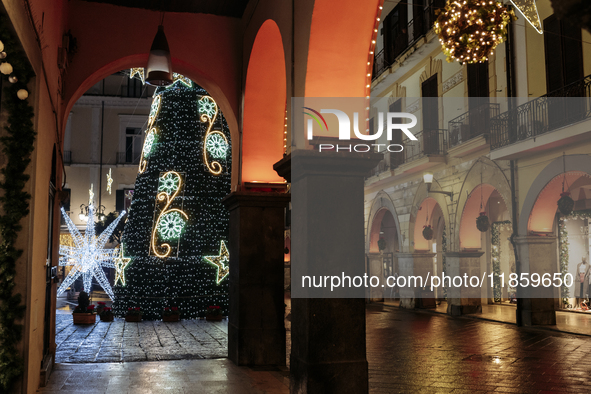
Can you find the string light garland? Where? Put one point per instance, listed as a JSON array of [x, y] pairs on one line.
[[183, 279], [470, 30], [529, 10], [221, 262], [88, 257]]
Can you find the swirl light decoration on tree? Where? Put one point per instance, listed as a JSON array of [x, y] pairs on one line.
[[216, 143], [171, 221], [470, 30]]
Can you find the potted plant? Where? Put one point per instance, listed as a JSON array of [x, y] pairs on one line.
[[106, 314], [171, 314], [133, 314], [427, 232], [213, 313], [100, 306], [482, 222], [84, 312]]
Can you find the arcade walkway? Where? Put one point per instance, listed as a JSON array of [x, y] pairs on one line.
[[408, 352]]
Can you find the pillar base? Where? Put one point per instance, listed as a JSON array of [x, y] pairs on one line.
[[256, 329], [463, 300]]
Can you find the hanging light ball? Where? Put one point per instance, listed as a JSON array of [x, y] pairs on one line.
[[3, 55], [1, 46], [565, 203], [13, 79], [6, 68], [22, 94], [469, 31]]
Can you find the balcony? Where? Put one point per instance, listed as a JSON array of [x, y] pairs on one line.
[[472, 124], [406, 36], [537, 118]]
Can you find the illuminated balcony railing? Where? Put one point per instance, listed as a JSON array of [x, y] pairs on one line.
[[557, 109]]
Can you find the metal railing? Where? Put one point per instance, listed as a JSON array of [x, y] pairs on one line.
[[429, 142], [546, 113], [472, 123], [67, 157], [379, 64]]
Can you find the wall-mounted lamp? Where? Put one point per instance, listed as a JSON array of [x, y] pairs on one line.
[[428, 179], [159, 68]]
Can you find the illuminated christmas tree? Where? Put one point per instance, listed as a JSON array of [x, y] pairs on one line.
[[177, 227]]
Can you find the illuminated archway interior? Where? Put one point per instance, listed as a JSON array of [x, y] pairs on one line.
[[428, 215], [383, 227]]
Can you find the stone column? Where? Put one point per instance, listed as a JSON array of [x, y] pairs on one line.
[[462, 299], [328, 353], [256, 329], [413, 265], [538, 255]]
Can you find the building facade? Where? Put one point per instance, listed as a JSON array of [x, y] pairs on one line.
[[504, 139]]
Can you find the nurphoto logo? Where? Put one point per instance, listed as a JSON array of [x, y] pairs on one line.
[[393, 122]]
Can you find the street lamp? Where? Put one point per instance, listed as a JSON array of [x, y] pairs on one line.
[[159, 68], [428, 179]]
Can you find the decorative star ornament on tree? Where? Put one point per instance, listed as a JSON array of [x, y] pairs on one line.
[[529, 10], [88, 256], [221, 261], [121, 263]]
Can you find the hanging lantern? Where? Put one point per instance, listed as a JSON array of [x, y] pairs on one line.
[[427, 232], [382, 244], [470, 30], [12, 79], [159, 68], [565, 203], [1, 46], [482, 222], [3, 55]]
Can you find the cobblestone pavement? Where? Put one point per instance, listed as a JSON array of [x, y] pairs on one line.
[[144, 341], [414, 352]]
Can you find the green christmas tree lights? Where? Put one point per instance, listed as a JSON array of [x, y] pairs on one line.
[[176, 218]]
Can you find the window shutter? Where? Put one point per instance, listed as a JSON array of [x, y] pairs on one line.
[[553, 54]]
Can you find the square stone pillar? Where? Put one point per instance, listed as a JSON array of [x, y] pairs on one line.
[[463, 299], [256, 329], [375, 267], [409, 265], [328, 353], [538, 255]]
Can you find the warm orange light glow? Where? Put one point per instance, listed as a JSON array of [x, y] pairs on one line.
[[264, 106], [332, 41]]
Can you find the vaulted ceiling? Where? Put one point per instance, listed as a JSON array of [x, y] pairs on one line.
[[230, 8]]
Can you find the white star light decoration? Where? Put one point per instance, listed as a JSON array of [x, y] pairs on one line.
[[221, 261], [121, 262], [88, 257]]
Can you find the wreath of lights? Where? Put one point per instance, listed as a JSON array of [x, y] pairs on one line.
[[470, 30], [209, 113], [165, 227]]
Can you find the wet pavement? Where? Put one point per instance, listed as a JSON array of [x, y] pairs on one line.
[[407, 352], [414, 352], [145, 341]]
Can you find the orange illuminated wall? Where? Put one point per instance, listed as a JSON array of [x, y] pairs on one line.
[[469, 233], [264, 107], [340, 40]]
